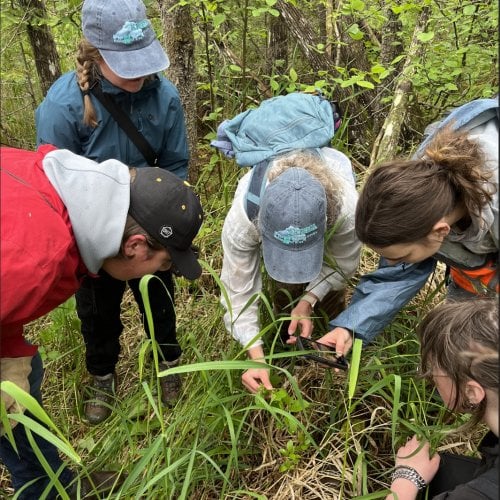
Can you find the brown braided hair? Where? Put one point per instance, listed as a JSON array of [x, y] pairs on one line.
[[87, 73]]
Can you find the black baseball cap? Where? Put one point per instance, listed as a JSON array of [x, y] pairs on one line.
[[170, 211]]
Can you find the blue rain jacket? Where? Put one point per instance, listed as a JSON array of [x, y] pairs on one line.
[[380, 295], [156, 110]]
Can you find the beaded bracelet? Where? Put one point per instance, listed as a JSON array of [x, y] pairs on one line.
[[409, 473]]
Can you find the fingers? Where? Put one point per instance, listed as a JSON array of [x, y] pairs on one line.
[[292, 326], [254, 378], [306, 328], [340, 346], [304, 323], [410, 445], [343, 342], [435, 460]]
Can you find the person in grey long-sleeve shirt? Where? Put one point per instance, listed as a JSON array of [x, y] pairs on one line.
[[440, 206]]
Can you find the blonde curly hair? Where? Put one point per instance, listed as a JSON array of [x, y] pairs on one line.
[[312, 162]]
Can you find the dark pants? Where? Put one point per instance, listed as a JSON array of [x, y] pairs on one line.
[[98, 304], [23, 465], [285, 298]]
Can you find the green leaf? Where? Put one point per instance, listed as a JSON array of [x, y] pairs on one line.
[[271, 2], [469, 10], [293, 75], [358, 5], [426, 37], [365, 84], [235, 68], [274, 84], [355, 33], [378, 68], [347, 83], [218, 19], [354, 368], [397, 59]]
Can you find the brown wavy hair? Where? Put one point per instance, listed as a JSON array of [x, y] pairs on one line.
[[462, 339], [403, 199]]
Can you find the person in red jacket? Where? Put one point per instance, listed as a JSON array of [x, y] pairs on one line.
[[63, 217]]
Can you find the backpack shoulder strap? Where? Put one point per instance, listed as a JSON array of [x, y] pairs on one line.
[[126, 124], [256, 187]]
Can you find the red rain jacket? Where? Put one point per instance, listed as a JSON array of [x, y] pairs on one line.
[[40, 265]]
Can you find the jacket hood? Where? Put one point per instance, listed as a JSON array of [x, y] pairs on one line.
[[97, 197], [482, 235]]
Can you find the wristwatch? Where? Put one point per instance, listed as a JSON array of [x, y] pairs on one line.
[[310, 298]]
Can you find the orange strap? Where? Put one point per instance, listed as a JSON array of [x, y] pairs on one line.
[[479, 281]]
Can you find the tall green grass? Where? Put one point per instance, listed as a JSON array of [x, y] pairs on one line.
[[319, 434]]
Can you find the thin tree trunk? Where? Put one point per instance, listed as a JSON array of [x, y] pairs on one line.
[[179, 42], [277, 47], [42, 43], [302, 32], [385, 146], [390, 47]]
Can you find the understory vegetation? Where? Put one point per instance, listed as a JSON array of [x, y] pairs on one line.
[[320, 434]]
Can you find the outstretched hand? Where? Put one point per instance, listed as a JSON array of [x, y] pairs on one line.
[[338, 338], [420, 460], [414, 454], [254, 378], [301, 319]]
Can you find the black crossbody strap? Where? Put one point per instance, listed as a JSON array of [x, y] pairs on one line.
[[126, 124]]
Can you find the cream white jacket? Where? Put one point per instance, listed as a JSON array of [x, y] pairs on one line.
[[241, 241]]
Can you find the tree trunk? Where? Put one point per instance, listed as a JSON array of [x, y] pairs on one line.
[[390, 47], [302, 32], [277, 46], [42, 43], [179, 43], [385, 146]]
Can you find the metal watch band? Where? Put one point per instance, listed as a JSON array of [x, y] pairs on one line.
[[409, 473]]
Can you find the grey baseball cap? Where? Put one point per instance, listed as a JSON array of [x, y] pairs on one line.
[[292, 221], [124, 37]]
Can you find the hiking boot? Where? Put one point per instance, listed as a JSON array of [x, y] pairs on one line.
[[171, 385], [100, 398], [96, 484]]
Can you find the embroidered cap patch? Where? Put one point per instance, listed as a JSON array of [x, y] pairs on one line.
[[131, 32], [166, 231], [295, 235]]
